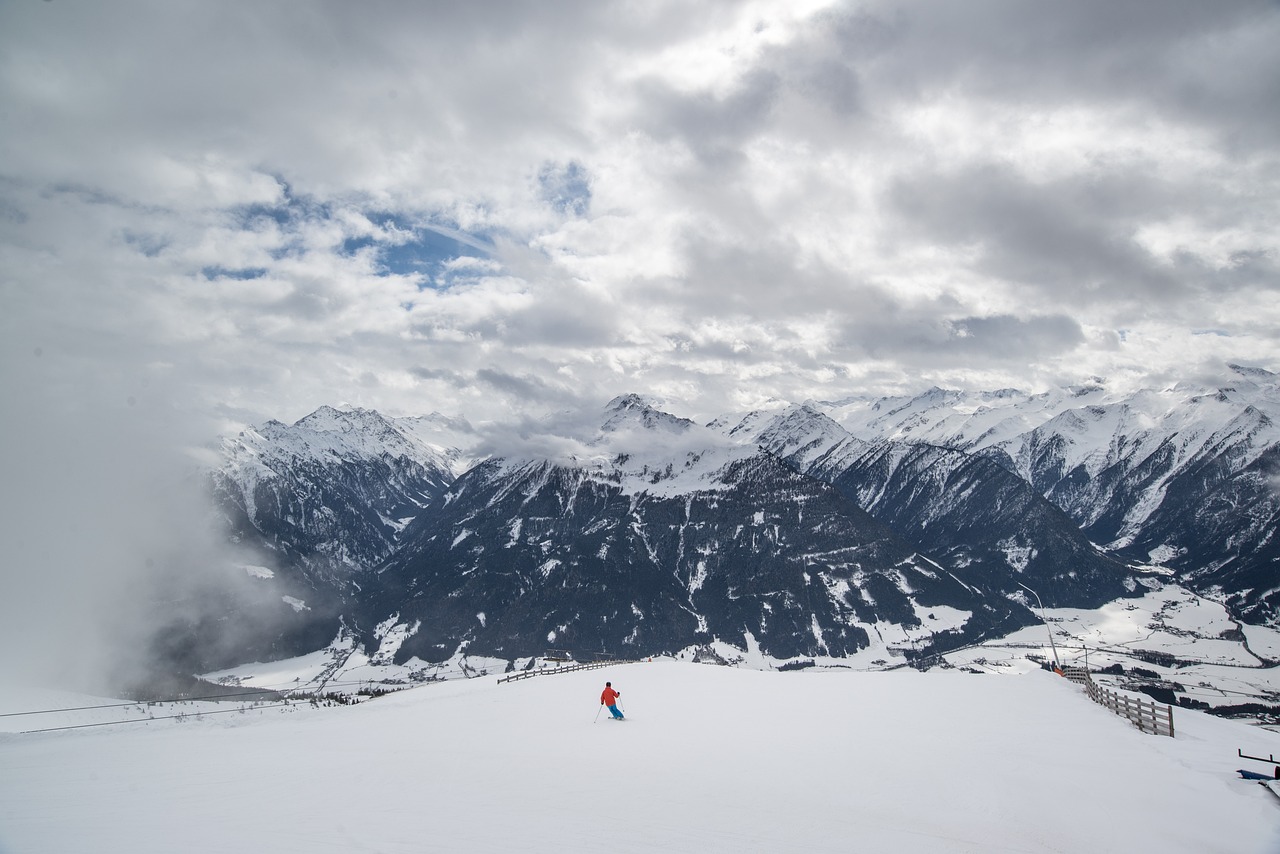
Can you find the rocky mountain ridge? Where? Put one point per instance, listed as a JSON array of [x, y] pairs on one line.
[[1186, 478], [630, 554], [826, 528]]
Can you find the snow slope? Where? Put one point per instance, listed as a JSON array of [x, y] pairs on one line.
[[711, 759]]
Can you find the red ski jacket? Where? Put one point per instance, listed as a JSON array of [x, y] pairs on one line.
[[609, 696]]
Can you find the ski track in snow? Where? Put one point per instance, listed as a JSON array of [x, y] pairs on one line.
[[711, 759]]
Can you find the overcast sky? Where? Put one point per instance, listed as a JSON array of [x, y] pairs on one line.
[[246, 210]]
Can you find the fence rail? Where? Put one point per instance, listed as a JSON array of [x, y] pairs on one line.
[[1077, 674], [548, 671], [1146, 715]]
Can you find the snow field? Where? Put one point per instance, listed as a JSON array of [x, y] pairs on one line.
[[1263, 640], [1168, 621], [711, 759]]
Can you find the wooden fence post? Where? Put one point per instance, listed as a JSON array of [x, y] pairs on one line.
[[1144, 714]]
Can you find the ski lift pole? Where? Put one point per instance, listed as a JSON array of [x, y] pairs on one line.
[[1043, 619]]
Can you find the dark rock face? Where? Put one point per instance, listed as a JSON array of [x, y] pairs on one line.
[[990, 527], [331, 519], [553, 557], [1203, 504], [1181, 478], [987, 526], [1223, 524]]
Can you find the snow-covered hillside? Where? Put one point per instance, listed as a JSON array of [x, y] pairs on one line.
[[1181, 478], [711, 759]]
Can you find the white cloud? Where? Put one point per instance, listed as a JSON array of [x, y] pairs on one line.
[[520, 208]]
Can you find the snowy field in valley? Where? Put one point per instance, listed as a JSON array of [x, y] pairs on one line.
[[711, 759], [1170, 638]]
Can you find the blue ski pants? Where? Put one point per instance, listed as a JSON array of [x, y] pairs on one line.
[[613, 710]]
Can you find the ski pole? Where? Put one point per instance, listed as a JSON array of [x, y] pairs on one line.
[[598, 713]]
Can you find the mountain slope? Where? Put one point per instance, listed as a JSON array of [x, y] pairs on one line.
[[331, 492], [1182, 477], [634, 554], [778, 530], [312, 507], [986, 525], [989, 525]]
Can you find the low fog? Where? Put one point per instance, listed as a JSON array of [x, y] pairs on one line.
[[113, 559]]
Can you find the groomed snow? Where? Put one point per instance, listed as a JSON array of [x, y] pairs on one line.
[[711, 759]]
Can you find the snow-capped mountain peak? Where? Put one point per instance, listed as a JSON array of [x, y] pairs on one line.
[[326, 498], [645, 449], [633, 412], [801, 433], [1258, 374]]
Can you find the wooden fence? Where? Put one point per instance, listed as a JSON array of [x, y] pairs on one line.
[[1146, 715], [547, 671], [1076, 674]]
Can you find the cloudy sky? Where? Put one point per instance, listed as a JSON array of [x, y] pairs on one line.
[[212, 214], [243, 211]]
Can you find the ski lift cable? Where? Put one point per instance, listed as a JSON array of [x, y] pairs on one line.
[[200, 713], [293, 687], [163, 717], [262, 690], [133, 703]]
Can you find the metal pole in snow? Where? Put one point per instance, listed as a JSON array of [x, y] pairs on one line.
[[1044, 620]]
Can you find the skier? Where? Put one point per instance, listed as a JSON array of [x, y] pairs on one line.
[[609, 697]]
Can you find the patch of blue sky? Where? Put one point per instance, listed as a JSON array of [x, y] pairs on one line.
[[242, 273], [291, 209], [149, 245], [352, 245], [247, 216], [402, 245], [288, 215], [391, 220], [394, 223], [566, 187], [427, 251]]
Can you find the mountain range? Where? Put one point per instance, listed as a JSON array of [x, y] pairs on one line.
[[872, 527]]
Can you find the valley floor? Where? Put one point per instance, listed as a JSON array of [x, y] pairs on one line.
[[1185, 646], [711, 759]]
